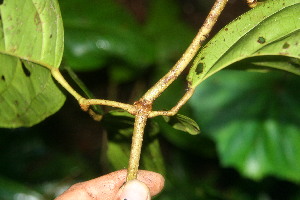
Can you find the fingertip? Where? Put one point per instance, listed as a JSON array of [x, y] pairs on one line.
[[153, 180], [133, 190]]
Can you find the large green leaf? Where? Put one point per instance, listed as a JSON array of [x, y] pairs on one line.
[[101, 31], [31, 36], [254, 119], [27, 93], [270, 29], [32, 30]]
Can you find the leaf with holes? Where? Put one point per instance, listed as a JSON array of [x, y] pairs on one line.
[[269, 30], [31, 40]]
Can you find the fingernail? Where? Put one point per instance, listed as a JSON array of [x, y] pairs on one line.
[[134, 190]]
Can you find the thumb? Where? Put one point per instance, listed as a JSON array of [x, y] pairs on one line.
[[133, 190]]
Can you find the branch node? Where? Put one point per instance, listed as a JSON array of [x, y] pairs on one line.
[[83, 105], [143, 106]]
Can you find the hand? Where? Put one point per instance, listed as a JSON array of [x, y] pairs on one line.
[[112, 187]]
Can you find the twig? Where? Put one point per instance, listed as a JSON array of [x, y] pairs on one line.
[[60, 79], [176, 108], [137, 139], [147, 100], [85, 103], [142, 109], [189, 54], [136, 146]]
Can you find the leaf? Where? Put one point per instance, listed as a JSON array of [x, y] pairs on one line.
[[183, 123], [264, 63], [254, 120], [270, 29], [31, 37], [269, 148], [99, 31], [27, 93], [32, 30], [190, 143]]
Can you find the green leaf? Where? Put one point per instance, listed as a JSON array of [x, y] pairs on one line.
[[265, 63], [99, 31], [31, 37], [32, 30], [183, 123], [254, 119], [189, 143], [270, 29], [269, 148], [27, 93]]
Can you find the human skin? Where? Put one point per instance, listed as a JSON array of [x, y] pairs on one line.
[[112, 187]]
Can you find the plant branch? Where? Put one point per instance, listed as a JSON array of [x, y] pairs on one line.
[[85, 103], [137, 138], [142, 109], [60, 79], [189, 54], [144, 105], [98, 111], [136, 146], [176, 108]]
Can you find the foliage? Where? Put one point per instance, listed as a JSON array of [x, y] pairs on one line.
[[250, 121], [93, 37], [263, 139], [257, 129], [28, 93], [254, 34]]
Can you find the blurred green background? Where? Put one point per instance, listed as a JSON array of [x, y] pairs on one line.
[[249, 147]]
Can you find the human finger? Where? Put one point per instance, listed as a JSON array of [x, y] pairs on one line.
[[106, 187], [133, 190]]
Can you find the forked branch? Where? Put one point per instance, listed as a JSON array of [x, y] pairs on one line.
[[142, 109], [154, 92]]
